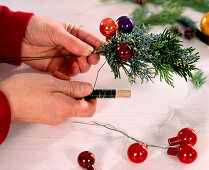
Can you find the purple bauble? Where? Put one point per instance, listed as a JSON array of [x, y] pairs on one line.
[[126, 24]]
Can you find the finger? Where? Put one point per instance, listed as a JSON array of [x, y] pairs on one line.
[[85, 108], [84, 35], [73, 44], [69, 107], [59, 75], [83, 64], [71, 69], [74, 89], [93, 59]]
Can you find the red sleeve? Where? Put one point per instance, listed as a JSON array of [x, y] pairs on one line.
[[12, 29], [5, 117]]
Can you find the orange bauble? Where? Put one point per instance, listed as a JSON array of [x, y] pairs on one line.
[[205, 24], [108, 27]]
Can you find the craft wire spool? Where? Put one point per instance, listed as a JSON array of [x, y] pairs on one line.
[[109, 93]]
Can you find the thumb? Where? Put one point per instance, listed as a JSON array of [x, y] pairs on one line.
[[73, 44], [74, 89]]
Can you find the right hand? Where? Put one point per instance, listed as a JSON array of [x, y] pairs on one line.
[[47, 37], [39, 98]]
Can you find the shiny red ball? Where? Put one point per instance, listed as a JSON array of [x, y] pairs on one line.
[[108, 27], [124, 51], [86, 159], [187, 153], [137, 152], [185, 135]]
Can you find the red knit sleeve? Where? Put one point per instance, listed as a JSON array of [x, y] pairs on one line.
[[5, 117], [12, 30]]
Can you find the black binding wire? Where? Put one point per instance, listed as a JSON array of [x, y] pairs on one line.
[[98, 73], [17, 59], [102, 93]]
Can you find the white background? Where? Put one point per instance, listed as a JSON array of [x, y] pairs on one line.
[[153, 114]]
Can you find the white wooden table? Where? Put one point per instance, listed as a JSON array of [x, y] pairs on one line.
[[153, 114]]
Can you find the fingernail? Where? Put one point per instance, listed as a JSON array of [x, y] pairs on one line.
[[86, 50], [86, 89]]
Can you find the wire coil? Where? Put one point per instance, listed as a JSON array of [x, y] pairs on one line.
[[102, 93]]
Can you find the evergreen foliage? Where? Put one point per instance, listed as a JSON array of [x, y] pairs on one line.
[[198, 5], [152, 54], [197, 79], [168, 15]]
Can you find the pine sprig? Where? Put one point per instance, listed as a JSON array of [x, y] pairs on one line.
[[198, 5], [197, 79], [152, 54], [168, 15]]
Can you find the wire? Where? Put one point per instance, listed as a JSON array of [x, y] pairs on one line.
[[17, 59], [98, 73]]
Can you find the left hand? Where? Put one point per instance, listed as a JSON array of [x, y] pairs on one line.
[[47, 37]]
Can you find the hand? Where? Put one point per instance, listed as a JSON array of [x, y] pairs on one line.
[[39, 98], [47, 37]]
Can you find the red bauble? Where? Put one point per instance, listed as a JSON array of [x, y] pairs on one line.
[[185, 152], [124, 51], [86, 160], [185, 135], [108, 27], [137, 152]]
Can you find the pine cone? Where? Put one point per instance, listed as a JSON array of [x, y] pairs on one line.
[[177, 31], [141, 2], [190, 33]]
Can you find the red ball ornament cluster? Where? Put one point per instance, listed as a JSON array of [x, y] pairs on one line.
[[181, 146], [109, 27], [184, 142]]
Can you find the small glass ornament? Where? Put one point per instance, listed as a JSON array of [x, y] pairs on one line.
[[124, 51], [126, 24], [205, 24], [137, 152], [108, 27], [186, 153], [86, 160], [185, 135]]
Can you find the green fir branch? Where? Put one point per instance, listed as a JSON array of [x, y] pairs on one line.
[[197, 79], [152, 55], [168, 15], [198, 5]]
